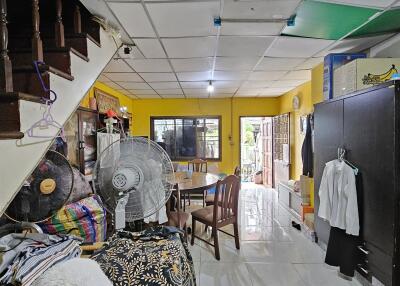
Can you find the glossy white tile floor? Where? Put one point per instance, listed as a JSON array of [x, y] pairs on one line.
[[272, 252]]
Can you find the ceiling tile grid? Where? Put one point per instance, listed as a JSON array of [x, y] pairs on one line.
[[179, 50]]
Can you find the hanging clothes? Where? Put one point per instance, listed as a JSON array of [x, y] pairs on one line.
[[103, 141], [339, 206], [338, 197], [307, 150], [342, 251]]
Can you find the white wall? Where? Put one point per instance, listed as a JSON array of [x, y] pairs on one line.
[[18, 158]]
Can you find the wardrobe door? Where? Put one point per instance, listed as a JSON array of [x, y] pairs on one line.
[[328, 135], [370, 143]]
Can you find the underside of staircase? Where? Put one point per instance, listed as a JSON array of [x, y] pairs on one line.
[[72, 50]]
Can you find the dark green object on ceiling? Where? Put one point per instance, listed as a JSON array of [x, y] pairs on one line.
[[327, 20], [388, 22]]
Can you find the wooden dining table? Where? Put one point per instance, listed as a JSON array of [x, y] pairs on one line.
[[195, 183]]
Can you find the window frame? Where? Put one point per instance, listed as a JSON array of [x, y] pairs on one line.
[[191, 117]]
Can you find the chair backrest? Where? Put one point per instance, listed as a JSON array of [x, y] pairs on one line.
[[198, 165], [226, 198], [177, 202], [237, 171]]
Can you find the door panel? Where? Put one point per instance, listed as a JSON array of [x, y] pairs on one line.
[[373, 113], [266, 133], [328, 136]]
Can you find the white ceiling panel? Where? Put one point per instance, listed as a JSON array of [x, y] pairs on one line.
[[225, 90], [194, 91], [279, 64], [103, 78], [286, 83], [249, 92], [275, 90], [132, 96], [296, 47], [363, 3], [235, 64], [133, 17], [298, 75], [221, 95], [243, 46], [123, 91], [267, 75], [194, 76], [134, 85], [200, 47], [354, 45], [147, 96], [256, 84], [173, 96], [150, 65], [194, 84], [124, 76], [151, 48], [142, 91], [259, 9], [158, 76], [192, 65], [117, 66], [113, 85], [184, 19], [251, 29], [230, 75], [169, 91], [226, 84], [165, 85], [310, 63]]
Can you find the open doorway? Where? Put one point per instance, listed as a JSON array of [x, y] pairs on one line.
[[256, 150]]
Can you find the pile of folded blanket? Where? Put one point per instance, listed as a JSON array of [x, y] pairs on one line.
[[24, 257]]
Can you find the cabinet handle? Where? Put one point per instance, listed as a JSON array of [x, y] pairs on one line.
[[361, 248], [366, 272]]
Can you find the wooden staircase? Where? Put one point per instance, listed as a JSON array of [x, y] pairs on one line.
[[48, 31]]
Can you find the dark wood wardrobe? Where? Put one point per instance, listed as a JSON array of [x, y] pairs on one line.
[[367, 125]]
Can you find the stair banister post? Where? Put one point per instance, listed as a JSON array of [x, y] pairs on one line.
[[37, 45], [6, 82], [77, 20], [59, 26]]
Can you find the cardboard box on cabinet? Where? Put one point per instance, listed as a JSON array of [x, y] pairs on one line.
[[363, 73]]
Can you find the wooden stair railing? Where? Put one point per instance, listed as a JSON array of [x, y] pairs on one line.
[[47, 31]]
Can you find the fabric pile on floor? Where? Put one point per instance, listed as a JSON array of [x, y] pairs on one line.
[[24, 257], [156, 256]]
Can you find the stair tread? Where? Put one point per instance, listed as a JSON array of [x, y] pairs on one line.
[[11, 135], [43, 68], [83, 35], [5, 96]]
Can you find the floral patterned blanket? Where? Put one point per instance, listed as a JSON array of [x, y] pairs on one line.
[[153, 257]]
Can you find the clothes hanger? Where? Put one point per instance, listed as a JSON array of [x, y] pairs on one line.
[[45, 122], [341, 157]]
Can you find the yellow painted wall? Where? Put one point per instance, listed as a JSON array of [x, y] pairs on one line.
[[309, 94], [229, 109], [123, 99]]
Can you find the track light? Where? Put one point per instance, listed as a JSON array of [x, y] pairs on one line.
[[210, 87]]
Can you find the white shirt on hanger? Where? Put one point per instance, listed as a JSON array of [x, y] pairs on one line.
[[338, 197]]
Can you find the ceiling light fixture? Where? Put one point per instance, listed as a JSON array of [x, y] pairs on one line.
[[210, 87]]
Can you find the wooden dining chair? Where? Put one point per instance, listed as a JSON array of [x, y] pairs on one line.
[[177, 217], [209, 200], [196, 165], [223, 212]]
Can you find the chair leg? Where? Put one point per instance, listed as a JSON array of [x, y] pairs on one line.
[[216, 243], [204, 199], [189, 199], [193, 230], [236, 232]]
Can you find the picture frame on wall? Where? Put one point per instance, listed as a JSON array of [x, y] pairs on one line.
[[106, 101]]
